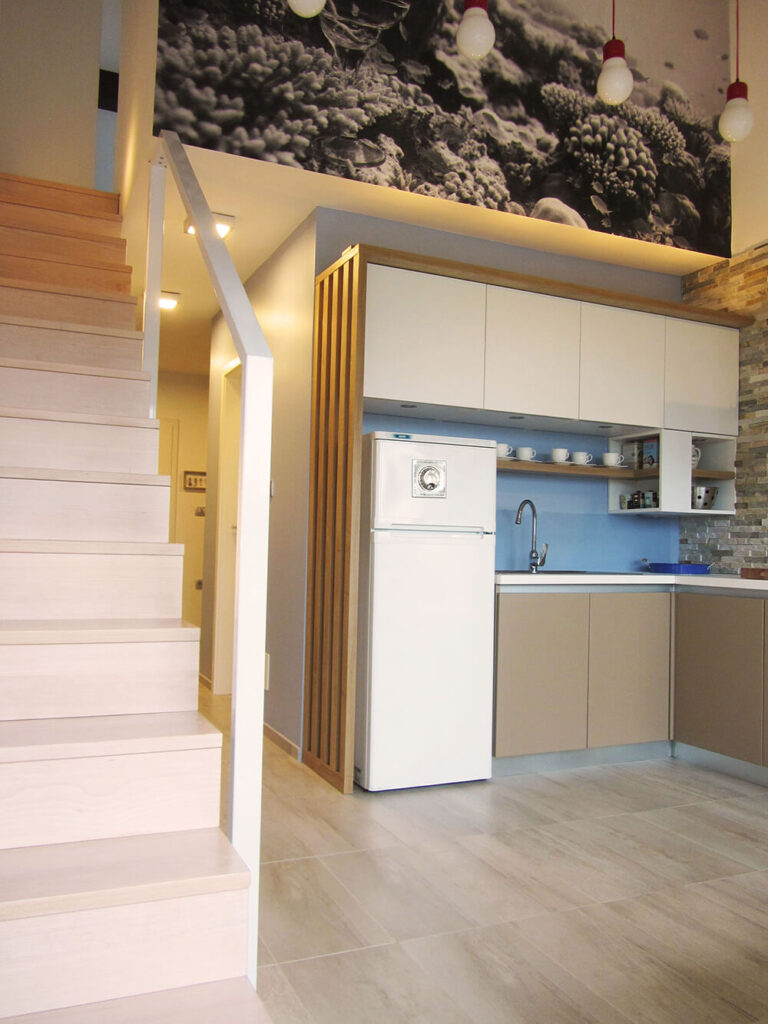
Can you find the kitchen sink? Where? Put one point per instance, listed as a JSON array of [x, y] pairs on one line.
[[566, 572]]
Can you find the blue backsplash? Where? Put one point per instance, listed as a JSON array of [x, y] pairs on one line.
[[572, 513]]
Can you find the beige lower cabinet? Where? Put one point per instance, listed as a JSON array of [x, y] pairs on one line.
[[719, 669], [541, 673], [629, 638]]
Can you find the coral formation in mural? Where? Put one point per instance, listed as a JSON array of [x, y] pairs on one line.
[[375, 90]]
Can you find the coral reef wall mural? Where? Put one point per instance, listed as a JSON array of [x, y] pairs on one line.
[[376, 91]]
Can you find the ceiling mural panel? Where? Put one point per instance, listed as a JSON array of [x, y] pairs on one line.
[[376, 91]]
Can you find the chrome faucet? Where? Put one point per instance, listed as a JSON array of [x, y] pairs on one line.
[[535, 560]]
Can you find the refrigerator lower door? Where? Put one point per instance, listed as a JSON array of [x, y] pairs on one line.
[[426, 707]]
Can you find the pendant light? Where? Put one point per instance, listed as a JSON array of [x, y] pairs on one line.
[[737, 119], [306, 8], [615, 82], [476, 34]]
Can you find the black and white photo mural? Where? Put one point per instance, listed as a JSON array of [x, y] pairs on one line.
[[377, 91]]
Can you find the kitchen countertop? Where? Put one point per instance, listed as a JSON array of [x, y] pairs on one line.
[[597, 580]]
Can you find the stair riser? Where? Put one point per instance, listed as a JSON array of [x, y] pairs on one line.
[[79, 798], [17, 215], [39, 245], [54, 196], [73, 392], [71, 309], [76, 348], [43, 271], [93, 586], [94, 955], [53, 444], [73, 510], [81, 680]]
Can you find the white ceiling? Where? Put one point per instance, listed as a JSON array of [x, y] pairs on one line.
[[269, 201]]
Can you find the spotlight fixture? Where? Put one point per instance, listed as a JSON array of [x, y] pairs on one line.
[[169, 300], [615, 82], [306, 8], [476, 35], [737, 118], [223, 222]]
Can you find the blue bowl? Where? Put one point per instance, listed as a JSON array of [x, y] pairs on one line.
[[679, 568]]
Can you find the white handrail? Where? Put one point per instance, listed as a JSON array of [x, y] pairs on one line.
[[249, 642]]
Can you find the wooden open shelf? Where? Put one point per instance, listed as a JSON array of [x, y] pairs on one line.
[[610, 472]]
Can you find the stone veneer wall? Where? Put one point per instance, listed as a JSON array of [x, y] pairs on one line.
[[741, 286]]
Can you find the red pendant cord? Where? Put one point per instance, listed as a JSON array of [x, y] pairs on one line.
[[737, 40], [613, 24]]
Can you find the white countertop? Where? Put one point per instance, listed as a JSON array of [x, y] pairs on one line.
[[639, 579]]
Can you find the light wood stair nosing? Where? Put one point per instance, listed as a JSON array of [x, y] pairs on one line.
[[97, 631], [62, 325], [118, 269], [94, 419], [84, 476], [43, 546], [66, 290], [76, 369]]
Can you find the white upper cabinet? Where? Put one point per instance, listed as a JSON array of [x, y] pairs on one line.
[[622, 366], [702, 377], [532, 353], [424, 338]]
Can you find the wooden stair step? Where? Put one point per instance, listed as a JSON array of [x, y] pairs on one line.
[[60, 302], [34, 269], [89, 579], [72, 388], [72, 225], [225, 1002], [55, 195], [70, 344], [59, 440], [76, 667], [68, 504], [60, 248], [67, 780]]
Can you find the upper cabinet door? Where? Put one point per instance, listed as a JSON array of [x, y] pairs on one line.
[[702, 377], [532, 353], [424, 338], [622, 366]]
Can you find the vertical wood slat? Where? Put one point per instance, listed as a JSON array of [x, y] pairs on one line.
[[331, 622]]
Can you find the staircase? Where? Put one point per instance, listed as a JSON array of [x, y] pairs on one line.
[[115, 880]]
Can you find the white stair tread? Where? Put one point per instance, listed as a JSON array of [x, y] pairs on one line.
[[60, 325], [63, 877], [99, 419], [89, 547], [84, 476], [45, 739], [222, 1002], [97, 631], [76, 368]]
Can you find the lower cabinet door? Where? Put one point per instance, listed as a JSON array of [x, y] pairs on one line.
[[629, 663], [541, 673], [719, 674]]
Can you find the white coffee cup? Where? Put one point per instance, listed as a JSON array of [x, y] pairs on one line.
[[525, 453], [612, 459], [695, 456], [560, 454], [504, 451], [581, 458]]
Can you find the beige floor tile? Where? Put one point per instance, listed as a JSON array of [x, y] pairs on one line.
[[497, 977], [372, 986], [279, 998], [562, 796], [702, 782], [620, 970], [420, 815], [636, 790], [746, 895], [735, 828], [398, 892], [304, 911]]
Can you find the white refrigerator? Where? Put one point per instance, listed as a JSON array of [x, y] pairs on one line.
[[424, 704]]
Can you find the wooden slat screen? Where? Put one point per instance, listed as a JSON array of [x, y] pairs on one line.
[[334, 526]]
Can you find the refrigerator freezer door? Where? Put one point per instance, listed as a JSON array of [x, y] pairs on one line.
[[427, 484], [425, 715]]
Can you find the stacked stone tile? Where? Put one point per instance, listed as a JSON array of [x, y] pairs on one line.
[[739, 285]]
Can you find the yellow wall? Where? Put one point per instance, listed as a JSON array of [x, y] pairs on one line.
[[49, 88], [182, 408]]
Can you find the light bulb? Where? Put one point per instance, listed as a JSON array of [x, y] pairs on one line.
[[476, 34], [306, 8], [737, 119], [615, 82]]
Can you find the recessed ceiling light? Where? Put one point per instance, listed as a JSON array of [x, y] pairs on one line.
[[222, 221], [517, 417], [169, 300], [604, 426], [408, 405]]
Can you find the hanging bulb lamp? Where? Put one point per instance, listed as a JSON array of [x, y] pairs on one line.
[[476, 34], [306, 8], [615, 82], [737, 119]]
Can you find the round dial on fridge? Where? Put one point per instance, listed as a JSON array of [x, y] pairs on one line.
[[429, 479]]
